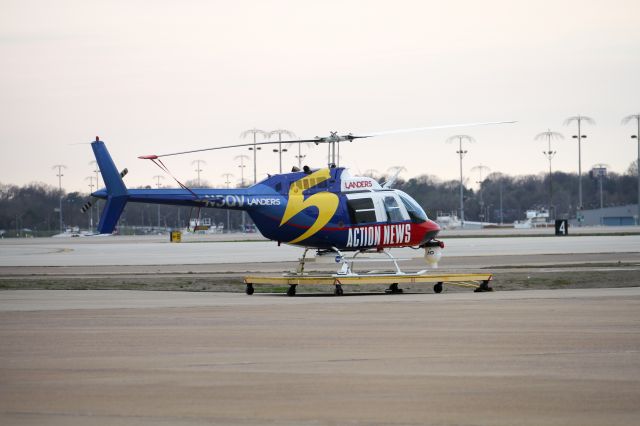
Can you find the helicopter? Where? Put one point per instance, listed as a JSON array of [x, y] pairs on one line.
[[325, 209]]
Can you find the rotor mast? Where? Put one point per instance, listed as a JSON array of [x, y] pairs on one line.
[[333, 140]]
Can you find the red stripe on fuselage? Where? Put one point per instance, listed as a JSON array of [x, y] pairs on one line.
[[400, 234], [391, 234]]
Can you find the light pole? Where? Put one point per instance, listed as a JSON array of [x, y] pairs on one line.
[[90, 179], [197, 163], [96, 170], [280, 150], [480, 168], [579, 119], [255, 148], [226, 176], [500, 190], [549, 154], [461, 153], [60, 167], [157, 178], [300, 157], [497, 176], [626, 120], [599, 171], [242, 157]]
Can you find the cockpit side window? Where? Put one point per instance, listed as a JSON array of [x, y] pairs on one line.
[[394, 214], [416, 213], [361, 210]]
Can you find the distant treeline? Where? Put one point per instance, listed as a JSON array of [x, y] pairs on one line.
[[31, 209], [521, 193]]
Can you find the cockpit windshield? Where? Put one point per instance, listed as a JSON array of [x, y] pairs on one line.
[[416, 213]]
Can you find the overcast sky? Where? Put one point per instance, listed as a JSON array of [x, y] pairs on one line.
[[165, 76]]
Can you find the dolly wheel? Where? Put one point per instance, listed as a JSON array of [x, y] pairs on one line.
[[393, 289], [437, 288], [484, 286], [338, 291], [249, 290], [292, 290]]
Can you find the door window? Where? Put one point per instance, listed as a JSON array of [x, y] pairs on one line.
[[361, 210], [394, 214]]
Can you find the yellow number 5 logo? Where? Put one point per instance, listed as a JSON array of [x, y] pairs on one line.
[[325, 202]]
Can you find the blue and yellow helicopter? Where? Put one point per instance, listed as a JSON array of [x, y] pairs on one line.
[[325, 209]]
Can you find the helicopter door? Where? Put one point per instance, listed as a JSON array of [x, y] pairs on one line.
[[363, 208], [393, 207]]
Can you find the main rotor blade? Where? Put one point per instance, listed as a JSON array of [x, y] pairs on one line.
[[446, 126], [225, 147], [319, 140]]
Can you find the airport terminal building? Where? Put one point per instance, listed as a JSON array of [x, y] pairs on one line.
[[612, 216]]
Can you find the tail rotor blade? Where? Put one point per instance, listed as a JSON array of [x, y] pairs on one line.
[[86, 206]]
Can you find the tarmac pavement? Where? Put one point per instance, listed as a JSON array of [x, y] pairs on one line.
[[555, 357], [140, 251]]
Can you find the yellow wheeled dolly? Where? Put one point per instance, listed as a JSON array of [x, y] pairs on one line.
[[480, 282]]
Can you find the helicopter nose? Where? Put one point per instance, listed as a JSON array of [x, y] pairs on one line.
[[431, 231]]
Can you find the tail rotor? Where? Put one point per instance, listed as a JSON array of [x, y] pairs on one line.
[[86, 206], [91, 200]]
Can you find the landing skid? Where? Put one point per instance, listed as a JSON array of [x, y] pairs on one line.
[[347, 263], [345, 275]]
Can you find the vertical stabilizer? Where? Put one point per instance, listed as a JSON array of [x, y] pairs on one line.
[[117, 193], [110, 175]]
